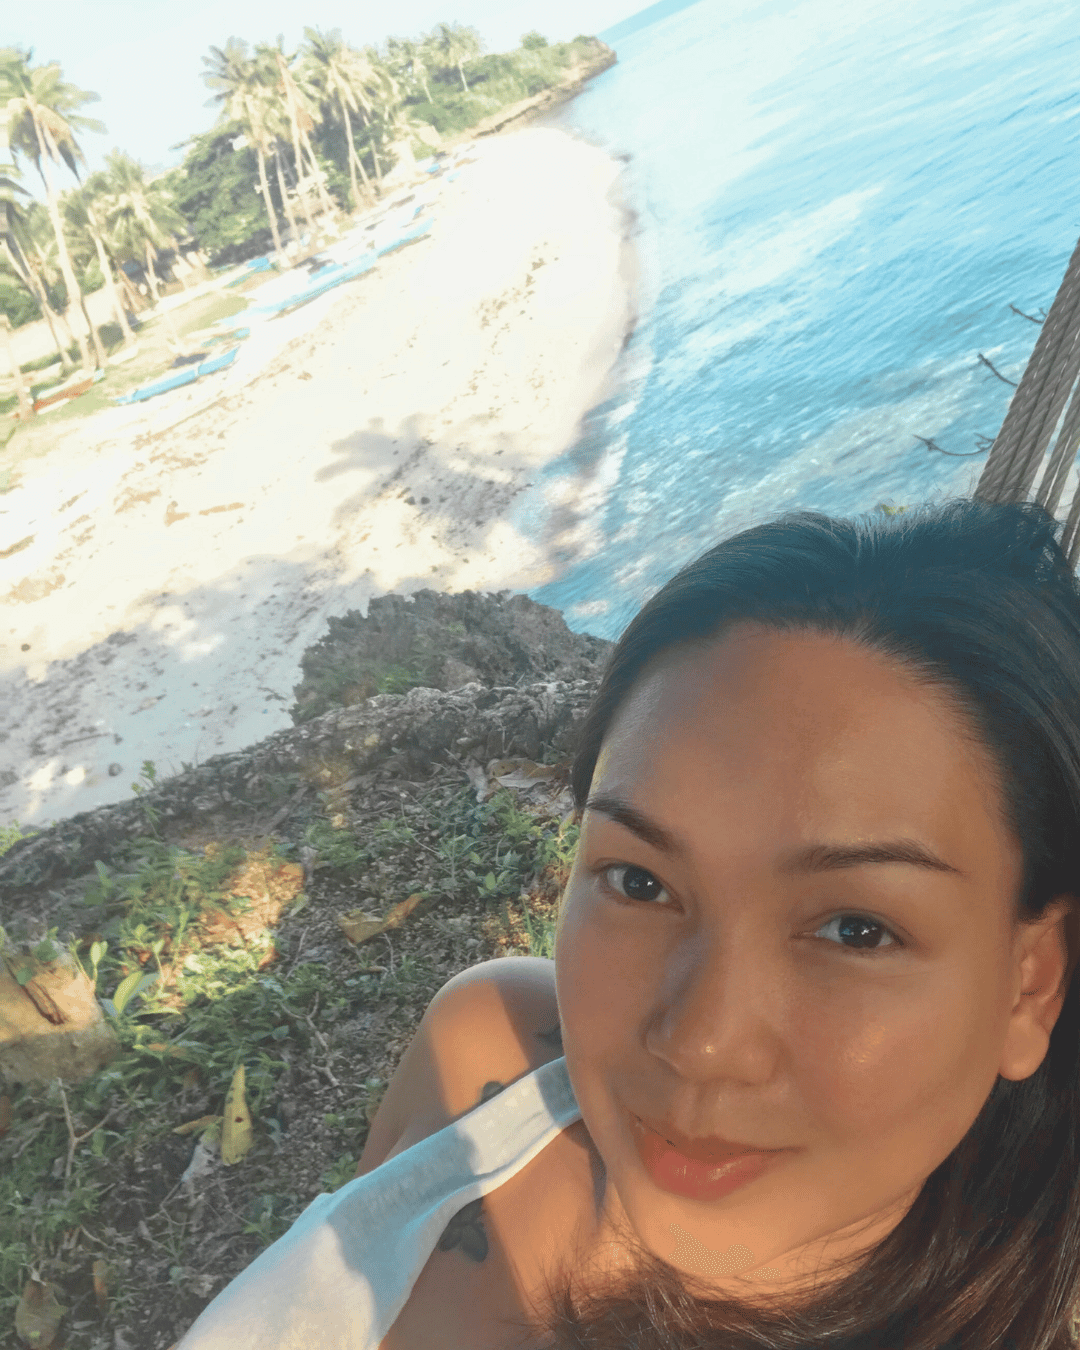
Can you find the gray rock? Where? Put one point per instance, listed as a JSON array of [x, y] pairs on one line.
[[400, 735], [441, 642]]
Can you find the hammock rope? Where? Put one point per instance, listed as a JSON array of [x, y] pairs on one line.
[[1048, 384]]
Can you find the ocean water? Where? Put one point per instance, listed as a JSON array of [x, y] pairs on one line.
[[836, 201]]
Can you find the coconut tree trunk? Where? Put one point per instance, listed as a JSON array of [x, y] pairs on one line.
[[295, 127], [30, 279], [95, 336], [284, 191], [462, 74], [368, 189], [49, 150], [352, 152], [60, 316], [52, 319], [271, 213], [26, 408], [301, 186], [375, 160], [106, 270], [179, 266], [320, 186], [152, 280], [135, 302]]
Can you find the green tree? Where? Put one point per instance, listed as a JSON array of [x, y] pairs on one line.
[[140, 217], [533, 41], [341, 73], [14, 240], [33, 252], [84, 213], [42, 119], [299, 102], [10, 212], [215, 189], [457, 44], [410, 57], [239, 82]]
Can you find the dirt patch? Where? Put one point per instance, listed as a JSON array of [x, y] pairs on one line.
[[36, 588], [132, 498]]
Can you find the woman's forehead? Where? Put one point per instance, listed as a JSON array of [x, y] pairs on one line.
[[811, 679], [801, 736]]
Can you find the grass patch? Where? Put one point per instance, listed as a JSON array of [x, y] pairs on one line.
[[199, 978], [220, 307]]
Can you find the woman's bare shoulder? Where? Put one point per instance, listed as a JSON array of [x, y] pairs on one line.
[[488, 1026]]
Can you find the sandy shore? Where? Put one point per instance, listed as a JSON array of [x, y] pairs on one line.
[[186, 551]]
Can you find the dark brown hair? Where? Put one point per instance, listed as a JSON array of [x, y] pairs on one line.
[[979, 601]]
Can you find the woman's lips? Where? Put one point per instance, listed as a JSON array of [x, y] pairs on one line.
[[707, 1179], [711, 1150]]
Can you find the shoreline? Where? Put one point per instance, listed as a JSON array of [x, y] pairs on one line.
[[434, 391]]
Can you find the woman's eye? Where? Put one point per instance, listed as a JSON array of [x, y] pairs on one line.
[[633, 883], [860, 932]]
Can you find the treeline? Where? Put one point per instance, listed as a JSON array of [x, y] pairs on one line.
[[301, 137]]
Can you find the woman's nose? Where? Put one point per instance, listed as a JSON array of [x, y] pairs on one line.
[[719, 1009]]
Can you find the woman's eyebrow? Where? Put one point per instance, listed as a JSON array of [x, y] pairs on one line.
[[637, 822], [806, 858]]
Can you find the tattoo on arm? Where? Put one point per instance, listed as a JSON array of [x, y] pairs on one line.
[[552, 1038], [466, 1228]]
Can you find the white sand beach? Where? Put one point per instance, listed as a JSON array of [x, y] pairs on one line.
[[185, 551]]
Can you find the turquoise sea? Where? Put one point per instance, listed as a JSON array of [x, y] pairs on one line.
[[836, 201]]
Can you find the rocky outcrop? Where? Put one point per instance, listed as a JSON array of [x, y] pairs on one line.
[[442, 642], [493, 676]]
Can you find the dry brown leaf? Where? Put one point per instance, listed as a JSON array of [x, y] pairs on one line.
[[6, 1114], [520, 773], [38, 1314], [190, 1126], [101, 1285], [359, 926], [178, 1050]]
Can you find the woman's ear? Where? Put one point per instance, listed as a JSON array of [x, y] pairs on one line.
[[1046, 952]]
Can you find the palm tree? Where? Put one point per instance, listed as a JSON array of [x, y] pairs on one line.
[[338, 71], [16, 246], [139, 218], [457, 44], [84, 216], [278, 110], [30, 248], [26, 408], [240, 85], [409, 56], [42, 119], [298, 101], [9, 212], [389, 122], [275, 119]]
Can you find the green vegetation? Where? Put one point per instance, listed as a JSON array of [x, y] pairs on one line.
[[313, 131], [91, 1172]]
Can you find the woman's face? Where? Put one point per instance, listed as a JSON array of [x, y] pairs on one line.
[[710, 978]]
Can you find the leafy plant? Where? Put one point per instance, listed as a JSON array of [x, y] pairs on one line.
[[147, 779], [11, 834]]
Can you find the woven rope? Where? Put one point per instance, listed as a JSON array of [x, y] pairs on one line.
[[1018, 448], [1070, 540], [1057, 470]]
